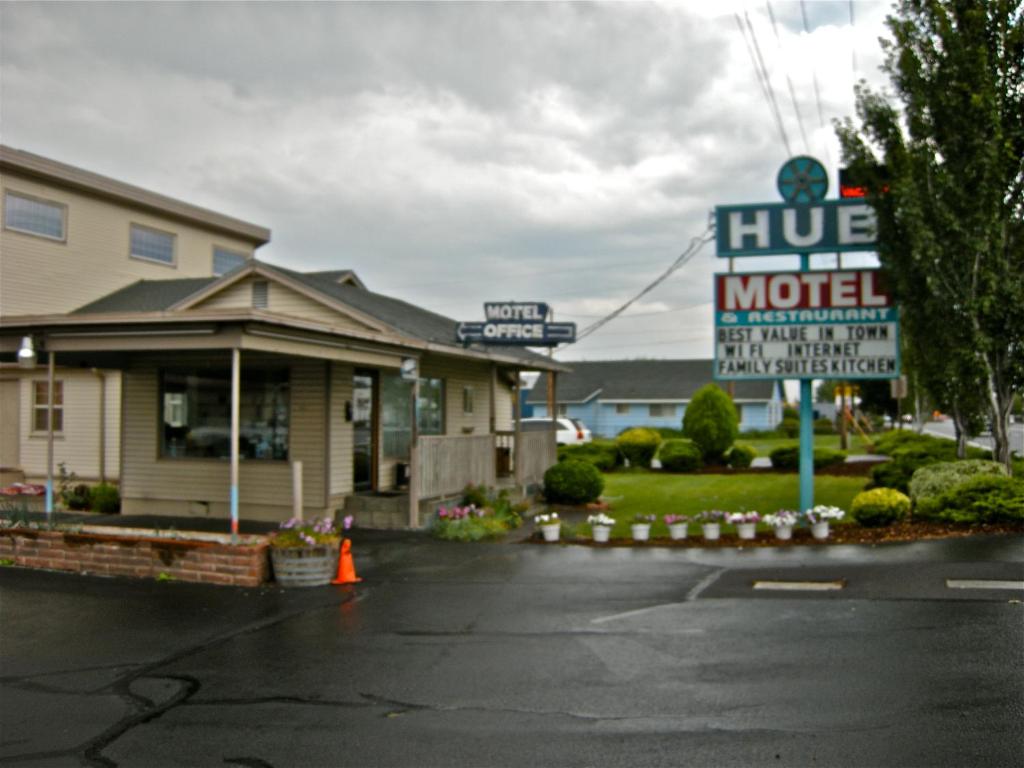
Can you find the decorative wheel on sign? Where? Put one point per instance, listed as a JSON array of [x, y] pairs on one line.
[[802, 180]]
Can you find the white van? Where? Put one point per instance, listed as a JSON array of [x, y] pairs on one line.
[[568, 431]]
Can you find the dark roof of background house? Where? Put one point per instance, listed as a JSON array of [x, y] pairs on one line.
[[639, 380], [407, 319]]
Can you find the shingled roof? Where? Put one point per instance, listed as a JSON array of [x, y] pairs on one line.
[[339, 286], [640, 380]]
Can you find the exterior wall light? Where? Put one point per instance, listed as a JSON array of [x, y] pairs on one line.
[[27, 353]]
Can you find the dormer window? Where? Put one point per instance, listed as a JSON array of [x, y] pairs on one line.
[[224, 260], [260, 294], [152, 245]]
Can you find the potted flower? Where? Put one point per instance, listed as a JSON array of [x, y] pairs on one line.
[[601, 525], [549, 525], [745, 522], [711, 523], [305, 554], [819, 518], [783, 522], [677, 525], [641, 527]]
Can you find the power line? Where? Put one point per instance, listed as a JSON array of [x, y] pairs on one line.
[[754, 51], [695, 245], [817, 89], [642, 314], [789, 80]]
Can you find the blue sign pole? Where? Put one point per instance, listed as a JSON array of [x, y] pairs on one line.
[[806, 427]]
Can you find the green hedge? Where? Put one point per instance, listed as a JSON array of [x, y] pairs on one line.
[[105, 499], [789, 427], [980, 499], [935, 479], [680, 456], [572, 482], [879, 506], [824, 427], [603, 454], [788, 457], [908, 452], [711, 421], [741, 456], [638, 445]]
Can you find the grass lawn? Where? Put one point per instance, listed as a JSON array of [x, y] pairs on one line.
[[631, 493], [766, 445]]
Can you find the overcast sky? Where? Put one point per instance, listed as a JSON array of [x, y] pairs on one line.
[[453, 153]]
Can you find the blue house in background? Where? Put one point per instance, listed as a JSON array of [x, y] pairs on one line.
[[612, 395]]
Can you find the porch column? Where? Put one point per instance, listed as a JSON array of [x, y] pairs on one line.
[[50, 383], [552, 399], [414, 459], [236, 392], [517, 444], [494, 395]]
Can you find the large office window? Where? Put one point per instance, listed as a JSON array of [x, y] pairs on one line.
[[196, 413], [41, 405], [396, 418], [224, 260], [152, 244], [34, 216]]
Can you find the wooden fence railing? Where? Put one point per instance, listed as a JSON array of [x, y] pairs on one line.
[[447, 464]]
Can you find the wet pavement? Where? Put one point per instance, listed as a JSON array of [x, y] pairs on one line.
[[515, 654]]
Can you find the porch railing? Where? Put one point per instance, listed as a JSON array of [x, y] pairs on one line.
[[537, 451]]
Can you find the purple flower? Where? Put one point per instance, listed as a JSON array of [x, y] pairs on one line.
[[347, 521]]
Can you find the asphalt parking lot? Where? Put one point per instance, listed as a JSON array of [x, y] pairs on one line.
[[515, 654]]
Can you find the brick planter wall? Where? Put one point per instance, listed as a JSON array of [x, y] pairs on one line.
[[109, 554]]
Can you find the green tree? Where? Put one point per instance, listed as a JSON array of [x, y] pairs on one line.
[[711, 422], [950, 201]]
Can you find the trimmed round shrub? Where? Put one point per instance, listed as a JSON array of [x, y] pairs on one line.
[[824, 427], [789, 412], [77, 497], [879, 506], [603, 454], [789, 427], [572, 482], [638, 445], [935, 479], [788, 457], [711, 422], [105, 499], [741, 456], [680, 456], [979, 499]]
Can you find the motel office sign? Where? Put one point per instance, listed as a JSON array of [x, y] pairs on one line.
[[824, 324], [523, 323]]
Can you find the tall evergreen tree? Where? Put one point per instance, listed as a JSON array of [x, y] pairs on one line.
[[947, 183]]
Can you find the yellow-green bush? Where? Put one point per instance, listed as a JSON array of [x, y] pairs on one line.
[[638, 445], [879, 506]]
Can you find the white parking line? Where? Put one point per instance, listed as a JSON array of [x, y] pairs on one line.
[[983, 584], [796, 586]]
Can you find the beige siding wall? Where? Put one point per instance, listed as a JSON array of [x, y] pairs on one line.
[[457, 375], [78, 445], [44, 276], [155, 485], [504, 401], [340, 441], [282, 300]]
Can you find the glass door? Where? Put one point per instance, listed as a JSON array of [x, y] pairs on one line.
[[364, 453]]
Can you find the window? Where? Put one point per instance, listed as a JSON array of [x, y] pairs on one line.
[[657, 411], [196, 409], [41, 404], [395, 416], [467, 400], [34, 217], [622, 408], [260, 294], [562, 410], [152, 245], [224, 260]]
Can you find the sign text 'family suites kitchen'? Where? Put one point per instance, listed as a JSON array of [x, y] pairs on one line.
[[818, 324]]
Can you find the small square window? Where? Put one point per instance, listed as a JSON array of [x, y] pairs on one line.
[[622, 408], [467, 400], [152, 245], [33, 216], [41, 405], [563, 409], [660, 411], [224, 260]]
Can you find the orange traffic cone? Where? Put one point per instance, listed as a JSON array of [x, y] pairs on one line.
[[346, 568]]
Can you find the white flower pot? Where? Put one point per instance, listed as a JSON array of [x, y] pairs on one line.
[[677, 531], [641, 531], [746, 530], [711, 531], [784, 532], [820, 530], [551, 532], [601, 533]]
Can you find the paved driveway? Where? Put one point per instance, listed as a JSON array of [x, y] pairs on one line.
[[519, 655]]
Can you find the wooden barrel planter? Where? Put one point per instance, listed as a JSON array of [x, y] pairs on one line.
[[304, 566]]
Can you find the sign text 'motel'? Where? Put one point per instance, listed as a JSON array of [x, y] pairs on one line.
[[517, 322], [834, 324], [767, 229]]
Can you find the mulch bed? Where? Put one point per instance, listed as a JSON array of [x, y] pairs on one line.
[[843, 534]]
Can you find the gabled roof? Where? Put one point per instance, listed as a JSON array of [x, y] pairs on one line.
[[49, 171], [340, 289], [640, 380]]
